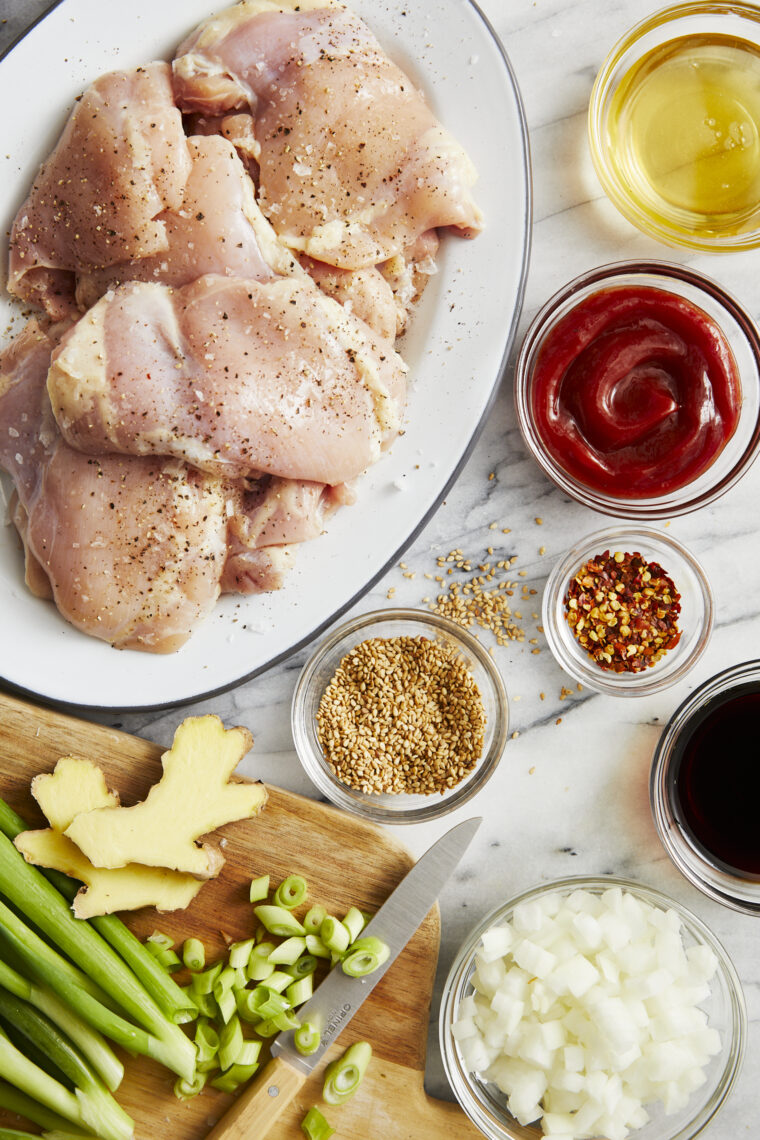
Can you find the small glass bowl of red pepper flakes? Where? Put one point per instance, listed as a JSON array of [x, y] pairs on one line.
[[628, 611]]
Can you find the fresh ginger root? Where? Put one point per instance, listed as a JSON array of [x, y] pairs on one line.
[[78, 785], [74, 786], [192, 798], [108, 890]]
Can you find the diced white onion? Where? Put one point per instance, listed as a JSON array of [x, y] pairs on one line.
[[585, 1009]]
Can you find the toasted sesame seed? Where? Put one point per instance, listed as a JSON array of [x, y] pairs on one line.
[[402, 715]]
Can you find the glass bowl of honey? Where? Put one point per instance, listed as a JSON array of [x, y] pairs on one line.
[[705, 784], [674, 125]]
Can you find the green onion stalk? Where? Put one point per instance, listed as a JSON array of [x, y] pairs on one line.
[[92, 1105], [161, 986], [17, 1102], [155, 1034], [90, 1043], [43, 962]]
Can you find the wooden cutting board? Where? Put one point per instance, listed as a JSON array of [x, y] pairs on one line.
[[345, 861]]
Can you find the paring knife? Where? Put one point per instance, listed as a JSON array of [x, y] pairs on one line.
[[337, 998]]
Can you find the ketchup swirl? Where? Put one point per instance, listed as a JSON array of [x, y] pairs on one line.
[[635, 392]]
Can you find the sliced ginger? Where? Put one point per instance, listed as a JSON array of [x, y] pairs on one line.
[[74, 786], [192, 798], [78, 785], [108, 890]]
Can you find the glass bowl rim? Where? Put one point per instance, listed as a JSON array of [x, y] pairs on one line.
[[621, 684], [607, 76], [316, 767], [720, 886], [637, 510], [456, 979]]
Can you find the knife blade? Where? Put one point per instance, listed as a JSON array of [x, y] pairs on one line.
[[338, 997]]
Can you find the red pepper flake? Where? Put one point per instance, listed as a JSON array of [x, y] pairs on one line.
[[624, 611]]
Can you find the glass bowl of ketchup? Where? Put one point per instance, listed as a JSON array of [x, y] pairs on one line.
[[705, 786], [645, 605], [637, 390]]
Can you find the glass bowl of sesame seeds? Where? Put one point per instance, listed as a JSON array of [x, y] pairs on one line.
[[628, 611], [400, 716]]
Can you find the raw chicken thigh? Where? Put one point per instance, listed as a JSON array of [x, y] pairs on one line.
[[352, 179], [217, 228], [222, 294], [121, 161], [132, 549], [236, 377]]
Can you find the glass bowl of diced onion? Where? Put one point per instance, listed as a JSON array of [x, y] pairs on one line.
[[592, 1007]]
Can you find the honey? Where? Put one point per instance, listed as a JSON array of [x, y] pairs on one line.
[[684, 134]]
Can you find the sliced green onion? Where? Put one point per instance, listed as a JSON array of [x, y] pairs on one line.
[[314, 1126], [239, 954], [300, 990], [343, 1077], [288, 951], [248, 1005], [267, 1027], [194, 954], [207, 1042], [225, 980], [272, 1005], [334, 934], [306, 1038], [279, 981], [159, 941], [314, 918], [306, 964], [364, 956], [259, 888], [249, 1053], [259, 969], [169, 960], [259, 966], [278, 920], [230, 1042], [354, 922], [316, 946], [291, 892], [204, 982], [235, 1076], [226, 1003], [185, 1090], [206, 1005], [283, 1021]]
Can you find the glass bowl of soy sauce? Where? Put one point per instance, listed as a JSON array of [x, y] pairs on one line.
[[705, 787]]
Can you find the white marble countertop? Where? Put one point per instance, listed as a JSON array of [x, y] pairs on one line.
[[571, 793]]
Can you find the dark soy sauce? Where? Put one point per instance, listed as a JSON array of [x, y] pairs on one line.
[[716, 781]]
